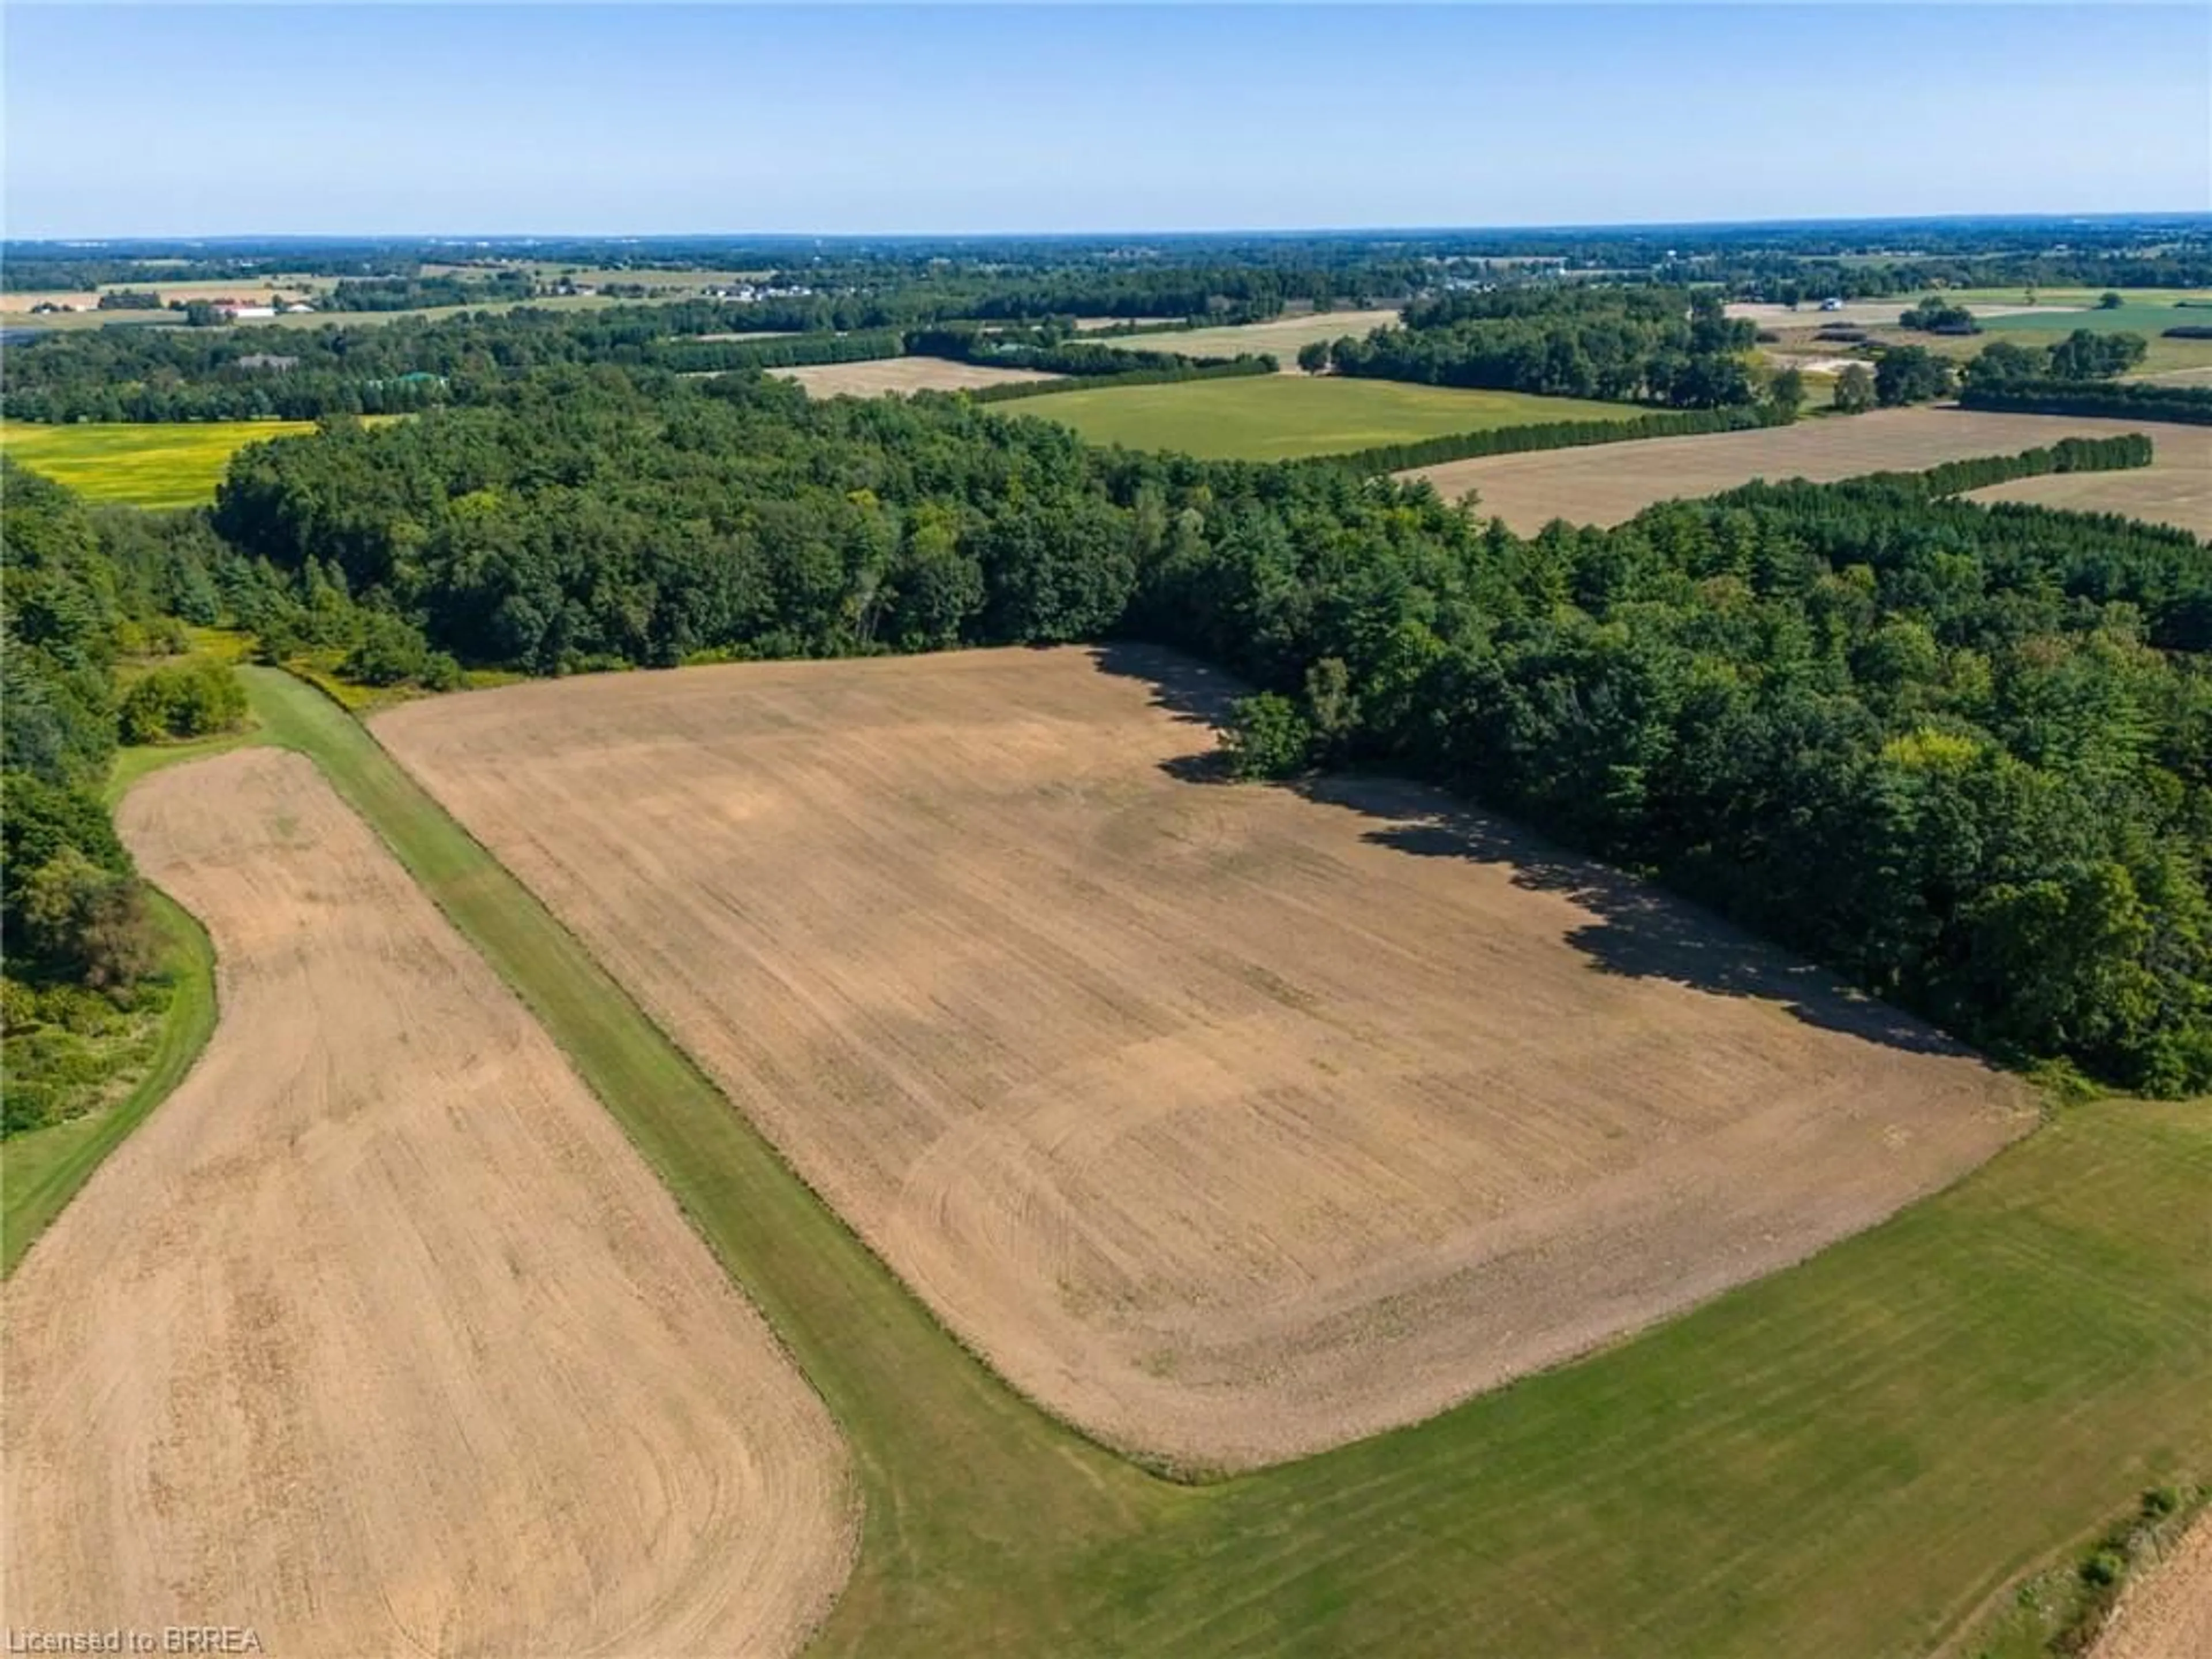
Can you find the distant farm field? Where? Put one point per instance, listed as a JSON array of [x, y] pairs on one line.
[[2176, 488], [377, 1336], [1230, 1123], [903, 375], [2147, 318], [145, 464], [1858, 313], [2072, 296], [1611, 482], [1274, 417], [2002, 312], [1282, 336]]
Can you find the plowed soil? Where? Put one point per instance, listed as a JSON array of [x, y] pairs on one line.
[[377, 1338], [1230, 1124], [2166, 1613]]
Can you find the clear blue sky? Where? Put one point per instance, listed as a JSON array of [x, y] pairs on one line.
[[172, 120]]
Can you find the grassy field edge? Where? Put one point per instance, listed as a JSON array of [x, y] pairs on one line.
[[61, 1157], [33, 1199]]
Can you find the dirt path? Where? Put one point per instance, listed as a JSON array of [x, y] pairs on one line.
[[1230, 1124], [2166, 1613], [377, 1338]]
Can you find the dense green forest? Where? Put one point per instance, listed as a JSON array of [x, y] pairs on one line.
[[1657, 345], [85, 977], [1962, 754]]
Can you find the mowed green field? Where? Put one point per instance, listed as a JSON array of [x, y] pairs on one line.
[[2070, 296], [2136, 317], [1278, 417], [143, 463], [1849, 1458], [2147, 312]]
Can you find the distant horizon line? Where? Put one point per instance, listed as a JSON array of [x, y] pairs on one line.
[[1653, 226]]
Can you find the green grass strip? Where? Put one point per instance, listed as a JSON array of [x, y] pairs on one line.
[[1847, 1458], [41, 1170]]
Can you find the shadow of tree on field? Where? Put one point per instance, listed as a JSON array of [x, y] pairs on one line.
[[1637, 929], [1188, 689]]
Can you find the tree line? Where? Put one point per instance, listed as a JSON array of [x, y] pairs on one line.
[[2126, 400], [1958, 753], [1655, 345], [148, 374], [77, 592]]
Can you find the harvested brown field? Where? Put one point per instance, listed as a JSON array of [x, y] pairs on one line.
[[377, 1337], [1607, 483], [1283, 336], [1229, 1123], [2175, 489], [2165, 1613], [903, 375]]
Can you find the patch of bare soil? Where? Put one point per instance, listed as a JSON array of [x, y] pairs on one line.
[[1230, 1123], [903, 375], [2166, 1613], [377, 1337]]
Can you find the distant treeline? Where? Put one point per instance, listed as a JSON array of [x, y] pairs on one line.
[[414, 292], [2126, 400], [175, 374], [1962, 754], [1121, 276], [792, 351], [117, 374], [1624, 345], [1193, 369]]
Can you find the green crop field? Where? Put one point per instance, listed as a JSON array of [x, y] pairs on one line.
[[1826, 1462], [2065, 296], [145, 464], [2136, 316], [1274, 417]]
